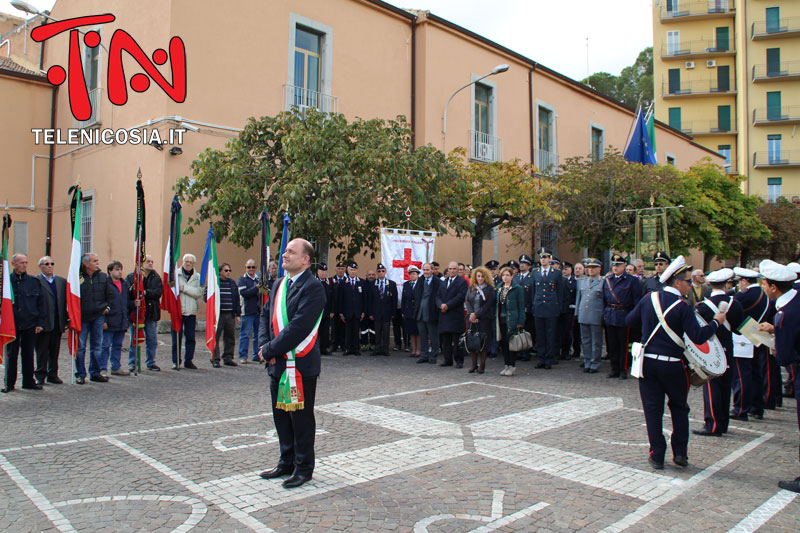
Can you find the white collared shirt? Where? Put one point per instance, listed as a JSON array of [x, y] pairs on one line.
[[717, 291], [673, 290], [785, 298]]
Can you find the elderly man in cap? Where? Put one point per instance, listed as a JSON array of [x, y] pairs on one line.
[[525, 279], [664, 366], [779, 283], [546, 307], [352, 306], [621, 293], [717, 391], [748, 378], [589, 314], [327, 315], [653, 283], [699, 290], [381, 305]]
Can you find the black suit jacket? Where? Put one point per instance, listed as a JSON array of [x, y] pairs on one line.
[[452, 321], [50, 303], [432, 309], [305, 302]]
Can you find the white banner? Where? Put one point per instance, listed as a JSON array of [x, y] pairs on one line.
[[402, 248]]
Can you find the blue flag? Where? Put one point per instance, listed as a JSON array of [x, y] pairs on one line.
[[207, 255], [640, 148], [284, 241]]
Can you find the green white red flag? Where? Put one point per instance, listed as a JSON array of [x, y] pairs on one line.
[[7, 329], [210, 271], [74, 273]]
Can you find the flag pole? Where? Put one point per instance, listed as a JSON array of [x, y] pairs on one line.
[[137, 277]]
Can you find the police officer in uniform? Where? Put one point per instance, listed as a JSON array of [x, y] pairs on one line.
[[352, 306], [327, 314], [525, 279], [337, 331], [381, 304], [494, 268], [664, 366], [566, 321], [717, 392], [653, 283], [545, 307], [621, 293]]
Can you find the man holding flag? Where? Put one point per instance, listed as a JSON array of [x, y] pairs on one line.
[[289, 344]]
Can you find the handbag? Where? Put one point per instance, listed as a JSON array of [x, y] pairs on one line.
[[473, 341], [520, 341]]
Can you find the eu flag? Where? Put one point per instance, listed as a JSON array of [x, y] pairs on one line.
[[640, 149]]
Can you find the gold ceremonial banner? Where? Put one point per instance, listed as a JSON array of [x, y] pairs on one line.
[[651, 235]]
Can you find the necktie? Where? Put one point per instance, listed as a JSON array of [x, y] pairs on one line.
[[413, 284], [289, 284], [352, 282], [381, 288], [428, 282]]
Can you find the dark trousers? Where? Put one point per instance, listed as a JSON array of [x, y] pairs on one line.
[[382, 328], [576, 338], [717, 401], [546, 339], [338, 333], [296, 429], [742, 385], [188, 328], [400, 336], [618, 348], [788, 385], [509, 357], [664, 378], [565, 325], [324, 333], [448, 345], [352, 332], [225, 328], [771, 380], [48, 344], [530, 327], [25, 341]]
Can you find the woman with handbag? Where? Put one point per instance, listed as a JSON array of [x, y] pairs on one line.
[[480, 313], [407, 309], [510, 317]]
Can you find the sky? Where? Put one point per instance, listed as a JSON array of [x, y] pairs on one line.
[[550, 32]]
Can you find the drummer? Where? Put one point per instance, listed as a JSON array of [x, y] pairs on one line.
[[717, 392], [664, 368], [786, 326]]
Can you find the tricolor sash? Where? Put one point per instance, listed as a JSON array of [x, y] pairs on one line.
[[290, 389]]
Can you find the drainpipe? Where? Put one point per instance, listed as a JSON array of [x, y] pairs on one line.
[[531, 121], [50, 172], [413, 82]]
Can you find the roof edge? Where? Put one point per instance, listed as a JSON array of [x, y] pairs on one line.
[[394, 9]]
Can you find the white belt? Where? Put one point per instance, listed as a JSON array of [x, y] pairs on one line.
[[663, 357]]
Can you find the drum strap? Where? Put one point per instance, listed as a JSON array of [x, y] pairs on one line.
[[715, 309], [662, 321]]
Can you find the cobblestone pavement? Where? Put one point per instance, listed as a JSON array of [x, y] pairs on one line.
[[400, 447]]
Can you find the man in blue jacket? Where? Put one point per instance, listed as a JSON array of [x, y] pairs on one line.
[[450, 304], [95, 305], [352, 306], [546, 307], [304, 304], [251, 308], [382, 305], [621, 293]]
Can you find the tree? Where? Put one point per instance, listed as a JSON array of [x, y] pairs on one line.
[[634, 85], [503, 195], [338, 181], [783, 220]]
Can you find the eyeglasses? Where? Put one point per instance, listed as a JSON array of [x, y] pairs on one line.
[[226, 270], [251, 267], [48, 264], [382, 270], [547, 256]]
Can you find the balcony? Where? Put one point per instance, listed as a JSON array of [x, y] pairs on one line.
[[698, 10], [780, 71], [697, 88], [699, 48], [785, 27], [787, 114], [303, 99], [547, 162], [484, 147], [94, 120], [704, 127], [783, 159]]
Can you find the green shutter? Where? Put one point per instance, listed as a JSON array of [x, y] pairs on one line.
[[675, 117], [723, 42], [774, 105], [724, 118]]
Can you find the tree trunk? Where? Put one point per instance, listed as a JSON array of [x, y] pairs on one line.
[[744, 257], [477, 248], [706, 262], [324, 249]]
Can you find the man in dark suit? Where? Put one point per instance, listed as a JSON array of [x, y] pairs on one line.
[[427, 315], [48, 341], [450, 303], [325, 324], [304, 304], [352, 306], [621, 293], [546, 307], [382, 304]]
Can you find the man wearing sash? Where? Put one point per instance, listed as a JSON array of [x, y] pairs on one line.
[[664, 317], [778, 284], [717, 392], [289, 346], [621, 293]]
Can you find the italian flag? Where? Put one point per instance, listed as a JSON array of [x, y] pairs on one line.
[[74, 277], [212, 289], [7, 329], [171, 301]]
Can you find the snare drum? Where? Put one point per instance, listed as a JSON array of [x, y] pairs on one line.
[[706, 361]]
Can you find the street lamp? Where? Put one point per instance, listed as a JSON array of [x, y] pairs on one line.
[[496, 70], [26, 7]]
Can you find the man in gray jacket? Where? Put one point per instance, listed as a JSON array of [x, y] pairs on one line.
[[589, 312], [191, 293], [48, 341]]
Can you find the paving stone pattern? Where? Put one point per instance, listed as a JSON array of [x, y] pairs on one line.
[[400, 447]]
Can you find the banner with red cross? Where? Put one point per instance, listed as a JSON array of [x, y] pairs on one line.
[[402, 248]]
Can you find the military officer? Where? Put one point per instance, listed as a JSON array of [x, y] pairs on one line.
[[327, 315], [717, 391], [382, 302], [545, 308], [652, 283], [515, 266], [525, 279], [494, 268], [352, 306], [621, 293], [337, 332], [589, 314], [566, 320]]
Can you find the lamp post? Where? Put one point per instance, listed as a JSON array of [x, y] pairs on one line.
[[22, 5], [496, 70]]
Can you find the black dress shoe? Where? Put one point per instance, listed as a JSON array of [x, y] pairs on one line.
[[215, 364], [706, 433], [35, 386], [793, 486], [743, 417], [540, 365], [98, 379], [459, 365], [758, 416], [585, 370], [422, 360], [230, 363], [445, 364], [548, 367], [189, 365], [6, 390], [154, 368], [56, 380], [275, 472], [80, 381], [593, 371], [623, 375], [681, 460], [658, 465], [613, 375], [295, 481]]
